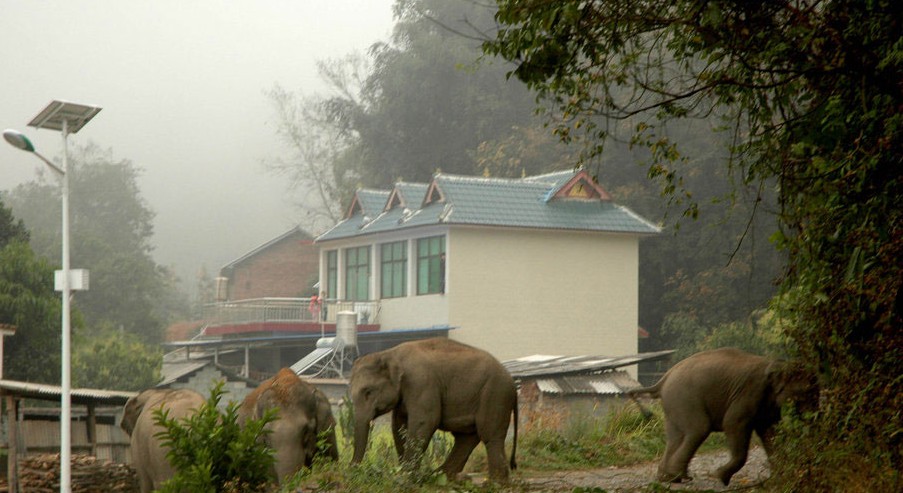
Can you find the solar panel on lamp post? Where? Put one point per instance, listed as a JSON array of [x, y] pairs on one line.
[[67, 118]]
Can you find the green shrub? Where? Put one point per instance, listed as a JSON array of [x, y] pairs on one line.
[[212, 453]]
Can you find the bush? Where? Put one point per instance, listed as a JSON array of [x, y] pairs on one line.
[[212, 453]]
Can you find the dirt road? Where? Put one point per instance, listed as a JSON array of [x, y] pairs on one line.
[[638, 477]]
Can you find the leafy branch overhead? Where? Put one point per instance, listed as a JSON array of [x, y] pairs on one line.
[[809, 92]]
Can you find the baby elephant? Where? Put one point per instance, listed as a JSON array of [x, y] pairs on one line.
[[724, 390]]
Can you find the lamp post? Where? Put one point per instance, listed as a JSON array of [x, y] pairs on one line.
[[67, 118]]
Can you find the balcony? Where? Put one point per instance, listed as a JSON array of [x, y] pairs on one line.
[[291, 315]]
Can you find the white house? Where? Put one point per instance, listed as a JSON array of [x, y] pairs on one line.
[[545, 264]]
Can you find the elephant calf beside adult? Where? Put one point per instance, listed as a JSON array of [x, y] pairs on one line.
[[304, 421], [725, 390], [148, 454], [437, 384]]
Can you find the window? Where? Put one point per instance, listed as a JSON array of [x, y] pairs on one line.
[[357, 273], [393, 273], [431, 265], [332, 273]]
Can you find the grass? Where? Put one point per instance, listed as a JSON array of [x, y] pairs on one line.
[[548, 441]]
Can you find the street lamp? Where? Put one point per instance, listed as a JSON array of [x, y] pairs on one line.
[[67, 118]]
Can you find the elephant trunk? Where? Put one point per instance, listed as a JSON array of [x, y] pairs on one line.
[[361, 435]]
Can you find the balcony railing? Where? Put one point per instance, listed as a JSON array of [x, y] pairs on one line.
[[261, 310]]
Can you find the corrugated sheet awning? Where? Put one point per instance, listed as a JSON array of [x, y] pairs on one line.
[[607, 383], [28, 390], [547, 366]]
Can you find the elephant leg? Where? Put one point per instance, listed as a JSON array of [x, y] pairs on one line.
[[683, 441], [399, 432], [145, 484], [460, 452], [738, 445], [766, 434], [498, 463], [419, 433]]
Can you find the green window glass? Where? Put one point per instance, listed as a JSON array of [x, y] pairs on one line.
[[393, 263], [332, 274], [431, 265], [357, 273]]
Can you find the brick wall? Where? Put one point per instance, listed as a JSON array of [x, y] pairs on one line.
[[286, 269]]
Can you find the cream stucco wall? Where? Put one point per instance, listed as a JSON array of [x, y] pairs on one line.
[[522, 292], [518, 292]]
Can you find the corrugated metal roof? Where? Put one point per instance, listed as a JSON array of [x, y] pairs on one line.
[[172, 372], [548, 366], [42, 391], [502, 202], [607, 383]]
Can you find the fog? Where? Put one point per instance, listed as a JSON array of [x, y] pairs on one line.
[[182, 85]]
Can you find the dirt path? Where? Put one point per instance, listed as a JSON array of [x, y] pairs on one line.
[[638, 477]]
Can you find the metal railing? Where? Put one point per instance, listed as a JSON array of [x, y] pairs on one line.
[[259, 310]]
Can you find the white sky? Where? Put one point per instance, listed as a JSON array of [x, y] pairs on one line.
[[181, 84]]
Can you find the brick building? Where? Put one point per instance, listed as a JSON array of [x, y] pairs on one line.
[[284, 267]]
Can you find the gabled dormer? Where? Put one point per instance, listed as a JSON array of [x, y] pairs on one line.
[[581, 186], [434, 193], [406, 196], [366, 202]]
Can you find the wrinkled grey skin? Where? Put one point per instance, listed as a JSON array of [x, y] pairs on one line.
[[436, 384], [724, 390], [304, 414], [148, 455]]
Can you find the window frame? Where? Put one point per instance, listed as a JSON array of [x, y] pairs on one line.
[[357, 275], [393, 269], [332, 274], [431, 265]]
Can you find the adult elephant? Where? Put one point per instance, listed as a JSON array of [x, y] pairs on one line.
[[304, 418], [725, 390], [148, 453], [436, 384]]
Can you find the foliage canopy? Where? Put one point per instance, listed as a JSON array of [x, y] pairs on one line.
[[810, 93], [111, 230]]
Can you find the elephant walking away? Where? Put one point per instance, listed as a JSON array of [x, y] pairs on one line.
[[725, 390], [304, 417], [437, 384], [148, 454]]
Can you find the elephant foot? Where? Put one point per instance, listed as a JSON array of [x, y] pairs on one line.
[[724, 475], [669, 477]]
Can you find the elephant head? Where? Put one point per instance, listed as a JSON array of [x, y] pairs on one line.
[[375, 390], [131, 411], [791, 382], [303, 414]]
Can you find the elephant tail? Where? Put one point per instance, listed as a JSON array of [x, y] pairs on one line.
[[513, 463], [653, 391]]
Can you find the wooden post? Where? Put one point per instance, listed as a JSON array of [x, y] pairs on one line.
[[91, 428], [12, 438]]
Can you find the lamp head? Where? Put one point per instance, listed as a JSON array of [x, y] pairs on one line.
[[18, 140]]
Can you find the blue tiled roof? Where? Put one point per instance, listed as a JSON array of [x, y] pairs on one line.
[[529, 202]]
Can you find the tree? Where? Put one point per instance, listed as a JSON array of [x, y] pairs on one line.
[[111, 231], [417, 105], [27, 301], [111, 359], [809, 93], [11, 229]]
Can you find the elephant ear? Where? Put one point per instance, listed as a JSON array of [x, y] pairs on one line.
[[130, 416], [132, 409], [790, 381], [395, 372]]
